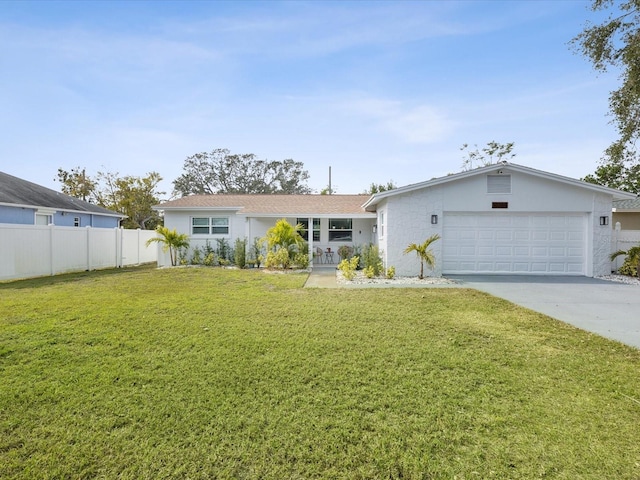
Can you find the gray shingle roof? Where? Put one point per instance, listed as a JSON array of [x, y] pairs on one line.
[[633, 204], [15, 191]]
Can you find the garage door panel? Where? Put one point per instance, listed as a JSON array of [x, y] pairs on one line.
[[522, 243], [539, 267], [504, 235], [557, 252], [503, 266], [539, 251], [574, 236], [538, 236], [575, 252], [468, 250], [521, 251]]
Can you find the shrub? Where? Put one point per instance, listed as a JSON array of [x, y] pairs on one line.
[[631, 265], [283, 239], [240, 252], [345, 252], [628, 268], [209, 259], [256, 251], [371, 259], [196, 256], [348, 267], [223, 251], [301, 260], [369, 271], [391, 272], [278, 259]]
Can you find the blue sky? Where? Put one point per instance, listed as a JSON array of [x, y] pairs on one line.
[[377, 90]]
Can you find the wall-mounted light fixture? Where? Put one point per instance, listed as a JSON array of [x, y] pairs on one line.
[[375, 228], [434, 219], [604, 220]]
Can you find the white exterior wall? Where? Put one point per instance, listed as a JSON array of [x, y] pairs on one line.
[[243, 226], [33, 250], [408, 220], [408, 216]]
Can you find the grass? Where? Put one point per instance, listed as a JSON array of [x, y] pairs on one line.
[[209, 373]]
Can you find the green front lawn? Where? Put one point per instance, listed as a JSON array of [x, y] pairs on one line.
[[209, 373]]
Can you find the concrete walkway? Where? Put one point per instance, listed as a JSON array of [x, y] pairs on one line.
[[322, 277]]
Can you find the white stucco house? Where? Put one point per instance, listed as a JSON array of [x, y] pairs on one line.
[[502, 219]]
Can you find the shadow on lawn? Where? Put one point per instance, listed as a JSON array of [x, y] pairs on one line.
[[71, 277]]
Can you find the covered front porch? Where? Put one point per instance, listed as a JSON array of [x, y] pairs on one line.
[[326, 236]]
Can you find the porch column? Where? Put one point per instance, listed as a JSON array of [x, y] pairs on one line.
[[310, 237]]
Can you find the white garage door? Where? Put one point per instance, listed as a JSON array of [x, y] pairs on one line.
[[514, 243]]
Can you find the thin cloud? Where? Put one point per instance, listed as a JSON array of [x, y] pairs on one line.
[[412, 124]]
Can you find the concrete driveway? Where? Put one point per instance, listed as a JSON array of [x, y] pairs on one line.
[[607, 308]]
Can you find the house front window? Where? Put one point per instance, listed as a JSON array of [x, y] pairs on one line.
[[340, 230], [305, 224], [210, 226]]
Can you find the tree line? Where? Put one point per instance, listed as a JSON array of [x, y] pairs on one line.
[[206, 173]]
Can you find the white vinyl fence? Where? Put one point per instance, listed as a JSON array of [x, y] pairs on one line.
[[623, 240], [33, 250]]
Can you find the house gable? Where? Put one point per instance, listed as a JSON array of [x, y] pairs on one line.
[[502, 169]]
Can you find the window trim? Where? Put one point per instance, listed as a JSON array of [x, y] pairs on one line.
[[333, 232], [304, 221], [211, 226]]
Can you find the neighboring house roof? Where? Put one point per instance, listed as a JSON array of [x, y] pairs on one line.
[[16, 192], [274, 205], [375, 199], [632, 205]]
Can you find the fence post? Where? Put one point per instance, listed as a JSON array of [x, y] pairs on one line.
[[119, 234], [51, 249], [88, 229], [616, 236]]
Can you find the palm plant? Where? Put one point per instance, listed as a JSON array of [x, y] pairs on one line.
[[633, 259], [172, 241], [423, 252], [284, 241]]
